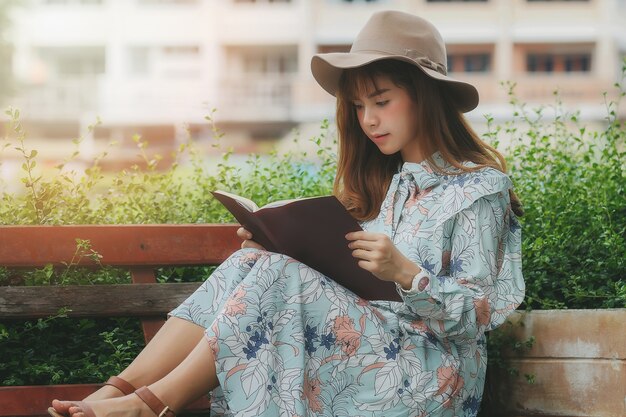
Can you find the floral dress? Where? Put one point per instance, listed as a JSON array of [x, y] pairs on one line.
[[289, 341]]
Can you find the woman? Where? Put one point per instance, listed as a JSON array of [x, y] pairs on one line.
[[270, 336]]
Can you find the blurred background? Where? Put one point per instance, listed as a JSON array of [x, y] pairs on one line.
[[158, 67]]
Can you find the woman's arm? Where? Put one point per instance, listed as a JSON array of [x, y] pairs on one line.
[[479, 282]]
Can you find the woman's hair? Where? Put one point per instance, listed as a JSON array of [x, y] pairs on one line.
[[364, 173]]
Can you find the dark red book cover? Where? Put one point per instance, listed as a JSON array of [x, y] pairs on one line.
[[312, 231]]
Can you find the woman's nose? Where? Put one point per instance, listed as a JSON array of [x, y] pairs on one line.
[[369, 117]]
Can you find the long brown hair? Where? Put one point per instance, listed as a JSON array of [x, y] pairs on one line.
[[364, 173]]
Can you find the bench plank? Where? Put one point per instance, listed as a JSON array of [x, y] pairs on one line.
[[122, 300], [35, 400], [119, 245]]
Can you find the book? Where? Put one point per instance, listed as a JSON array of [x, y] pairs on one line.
[[311, 230]]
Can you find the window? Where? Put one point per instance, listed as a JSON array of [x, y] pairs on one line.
[[139, 60], [74, 62], [262, 1], [265, 64], [474, 58], [167, 2], [326, 49], [168, 61], [68, 2], [469, 62], [558, 62], [456, 1], [178, 61], [261, 60], [181, 51]]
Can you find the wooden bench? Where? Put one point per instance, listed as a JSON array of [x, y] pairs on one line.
[[575, 374], [139, 248]]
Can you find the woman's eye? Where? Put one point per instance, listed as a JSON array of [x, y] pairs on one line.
[[382, 103], [358, 106]]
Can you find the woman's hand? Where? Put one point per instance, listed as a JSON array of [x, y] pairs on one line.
[[246, 236], [377, 254]]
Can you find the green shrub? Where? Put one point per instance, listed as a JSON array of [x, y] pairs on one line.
[[572, 183], [156, 194]]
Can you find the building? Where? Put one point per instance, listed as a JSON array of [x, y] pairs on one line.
[[155, 66]]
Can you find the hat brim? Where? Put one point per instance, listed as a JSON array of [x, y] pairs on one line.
[[327, 69]]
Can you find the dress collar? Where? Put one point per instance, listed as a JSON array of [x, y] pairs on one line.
[[422, 172]]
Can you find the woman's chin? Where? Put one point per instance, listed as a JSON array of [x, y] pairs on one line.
[[387, 151]]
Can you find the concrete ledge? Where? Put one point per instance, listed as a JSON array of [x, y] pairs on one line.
[[578, 363]]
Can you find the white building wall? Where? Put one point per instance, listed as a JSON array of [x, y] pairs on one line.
[[172, 87]]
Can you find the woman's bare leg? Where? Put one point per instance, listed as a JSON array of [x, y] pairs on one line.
[[192, 378], [169, 347]]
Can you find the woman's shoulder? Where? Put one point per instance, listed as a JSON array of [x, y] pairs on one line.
[[482, 178], [459, 190], [450, 175]]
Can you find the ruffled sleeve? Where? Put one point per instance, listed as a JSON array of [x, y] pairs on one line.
[[473, 277]]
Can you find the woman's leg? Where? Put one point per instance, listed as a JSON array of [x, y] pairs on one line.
[[169, 347], [192, 378]]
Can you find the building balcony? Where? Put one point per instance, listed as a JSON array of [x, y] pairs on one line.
[[572, 88], [255, 99], [59, 101]]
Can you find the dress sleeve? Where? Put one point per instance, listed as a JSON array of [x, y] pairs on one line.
[[480, 280]]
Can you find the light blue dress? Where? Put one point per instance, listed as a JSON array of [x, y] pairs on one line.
[[289, 341]]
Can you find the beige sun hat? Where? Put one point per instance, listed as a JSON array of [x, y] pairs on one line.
[[395, 35]]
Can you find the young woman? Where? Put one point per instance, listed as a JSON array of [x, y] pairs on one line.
[[269, 336]]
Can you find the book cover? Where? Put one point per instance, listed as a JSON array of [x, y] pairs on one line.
[[312, 231]]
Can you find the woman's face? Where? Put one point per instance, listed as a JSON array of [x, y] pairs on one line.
[[388, 116]]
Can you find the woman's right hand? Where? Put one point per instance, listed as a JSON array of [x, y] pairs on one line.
[[246, 236]]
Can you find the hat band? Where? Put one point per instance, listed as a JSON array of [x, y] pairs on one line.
[[415, 55], [424, 61]]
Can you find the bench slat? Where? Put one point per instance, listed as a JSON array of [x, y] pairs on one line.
[[124, 300], [34, 400], [119, 245]]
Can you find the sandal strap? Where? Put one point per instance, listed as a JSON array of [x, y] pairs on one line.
[[151, 400], [124, 386]]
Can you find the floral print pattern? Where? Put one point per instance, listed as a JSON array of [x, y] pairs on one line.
[[289, 341]]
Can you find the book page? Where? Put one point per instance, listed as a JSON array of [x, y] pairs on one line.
[[280, 203], [244, 202]]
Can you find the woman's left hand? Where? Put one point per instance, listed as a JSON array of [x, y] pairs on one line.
[[377, 254]]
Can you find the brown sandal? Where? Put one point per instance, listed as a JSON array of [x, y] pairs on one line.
[[144, 393], [115, 381], [124, 386], [151, 400]]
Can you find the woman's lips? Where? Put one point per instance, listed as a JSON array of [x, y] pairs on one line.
[[380, 138]]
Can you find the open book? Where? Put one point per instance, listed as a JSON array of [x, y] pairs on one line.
[[312, 231]]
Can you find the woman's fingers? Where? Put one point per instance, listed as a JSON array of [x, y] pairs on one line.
[[364, 244], [244, 234], [362, 235], [362, 254], [251, 244]]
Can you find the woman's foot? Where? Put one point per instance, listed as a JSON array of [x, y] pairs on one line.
[[127, 406], [115, 387], [104, 393]]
